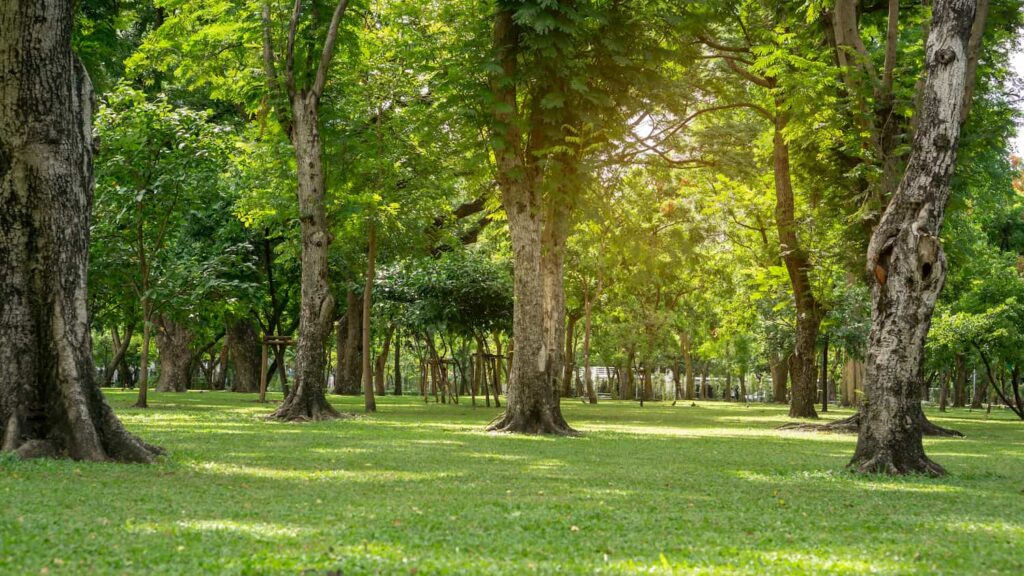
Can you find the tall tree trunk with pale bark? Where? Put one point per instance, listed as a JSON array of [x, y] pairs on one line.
[[907, 260], [538, 230], [50, 403]]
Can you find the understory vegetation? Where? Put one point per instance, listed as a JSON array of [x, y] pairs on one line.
[[419, 488]]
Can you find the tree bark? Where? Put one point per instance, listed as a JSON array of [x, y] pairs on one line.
[[808, 314], [960, 383], [779, 367], [369, 402], [382, 362], [532, 404], [50, 403], [908, 262], [398, 364], [120, 349], [588, 375], [245, 350], [306, 400], [350, 347], [685, 345], [569, 365], [175, 344]]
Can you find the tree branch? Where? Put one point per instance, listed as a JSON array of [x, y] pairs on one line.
[[328, 52]]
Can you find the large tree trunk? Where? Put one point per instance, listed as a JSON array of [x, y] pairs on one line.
[[538, 319], [908, 262], [306, 400], [175, 344], [808, 314], [50, 403], [245, 350], [779, 367]]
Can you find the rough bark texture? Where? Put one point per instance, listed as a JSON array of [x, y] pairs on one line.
[[245, 350], [175, 344], [808, 314], [50, 404], [908, 262], [306, 400], [538, 318]]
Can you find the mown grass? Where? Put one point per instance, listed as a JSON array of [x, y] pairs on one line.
[[417, 488]]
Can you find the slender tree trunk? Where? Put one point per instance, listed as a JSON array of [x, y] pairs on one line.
[[398, 363], [743, 387], [570, 358], [908, 262], [727, 389], [307, 400], [960, 383], [369, 402], [808, 314], [174, 342], [382, 362], [824, 376], [944, 391], [684, 344], [50, 403], [147, 340], [120, 349], [587, 369], [245, 349], [779, 366]]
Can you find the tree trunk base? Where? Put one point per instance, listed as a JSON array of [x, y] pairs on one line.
[[545, 422], [307, 408], [851, 425], [886, 462]]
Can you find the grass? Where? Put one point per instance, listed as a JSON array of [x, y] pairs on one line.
[[421, 489]]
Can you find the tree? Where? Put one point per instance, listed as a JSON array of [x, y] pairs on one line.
[[305, 77], [908, 262], [49, 401]]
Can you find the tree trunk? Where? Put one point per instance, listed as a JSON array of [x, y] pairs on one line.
[[306, 400], [369, 402], [779, 367], [908, 262], [588, 375], [120, 349], [220, 375], [569, 365], [808, 314], [824, 375], [175, 344], [245, 350], [944, 391], [147, 340], [350, 347], [684, 344], [743, 387], [538, 248], [382, 362], [398, 364], [50, 403], [727, 389], [960, 383]]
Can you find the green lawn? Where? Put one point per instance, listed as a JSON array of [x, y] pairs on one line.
[[422, 489]]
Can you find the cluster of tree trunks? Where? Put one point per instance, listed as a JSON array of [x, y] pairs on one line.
[[50, 403]]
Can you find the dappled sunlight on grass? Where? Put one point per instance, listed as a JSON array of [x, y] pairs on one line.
[[423, 487]]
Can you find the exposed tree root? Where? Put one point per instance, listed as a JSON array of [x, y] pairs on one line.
[[851, 425], [885, 462], [542, 422], [305, 408]]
